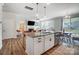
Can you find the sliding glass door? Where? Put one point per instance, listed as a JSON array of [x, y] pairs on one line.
[[75, 25], [71, 25]]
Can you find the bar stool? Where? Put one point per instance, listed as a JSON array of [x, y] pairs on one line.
[[67, 40]]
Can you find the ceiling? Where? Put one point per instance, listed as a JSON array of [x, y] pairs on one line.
[[52, 10]]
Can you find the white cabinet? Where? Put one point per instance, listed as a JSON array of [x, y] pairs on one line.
[[49, 41], [29, 45], [34, 46], [38, 45]]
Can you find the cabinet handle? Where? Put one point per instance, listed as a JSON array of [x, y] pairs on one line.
[[0, 21], [50, 39], [39, 40]]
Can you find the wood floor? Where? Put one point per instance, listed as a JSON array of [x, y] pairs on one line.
[[60, 50], [15, 47], [12, 47]]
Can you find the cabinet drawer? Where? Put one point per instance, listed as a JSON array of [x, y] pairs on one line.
[[38, 39]]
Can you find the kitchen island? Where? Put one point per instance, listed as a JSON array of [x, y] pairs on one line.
[[37, 44]]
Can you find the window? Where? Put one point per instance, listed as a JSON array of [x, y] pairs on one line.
[[71, 25], [75, 25]]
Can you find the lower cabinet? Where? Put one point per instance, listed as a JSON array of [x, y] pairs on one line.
[[49, 42], [29, 46], [38, 45]]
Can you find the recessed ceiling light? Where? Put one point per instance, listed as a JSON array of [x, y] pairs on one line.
[[68, 17], [48, 3]]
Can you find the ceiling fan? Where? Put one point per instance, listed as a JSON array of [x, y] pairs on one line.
[[37, 18]]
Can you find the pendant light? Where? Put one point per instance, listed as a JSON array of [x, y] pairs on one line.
[[44, 11], [48, 3], [37, 12]]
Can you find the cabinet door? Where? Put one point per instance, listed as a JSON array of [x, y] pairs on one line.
[[51, 40], [29, 45], [38, 45], [47, 42]]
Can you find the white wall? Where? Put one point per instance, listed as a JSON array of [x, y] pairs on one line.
[[10, 24], [1, 25]]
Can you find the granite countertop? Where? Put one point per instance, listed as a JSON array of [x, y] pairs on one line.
[[40, 34]]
